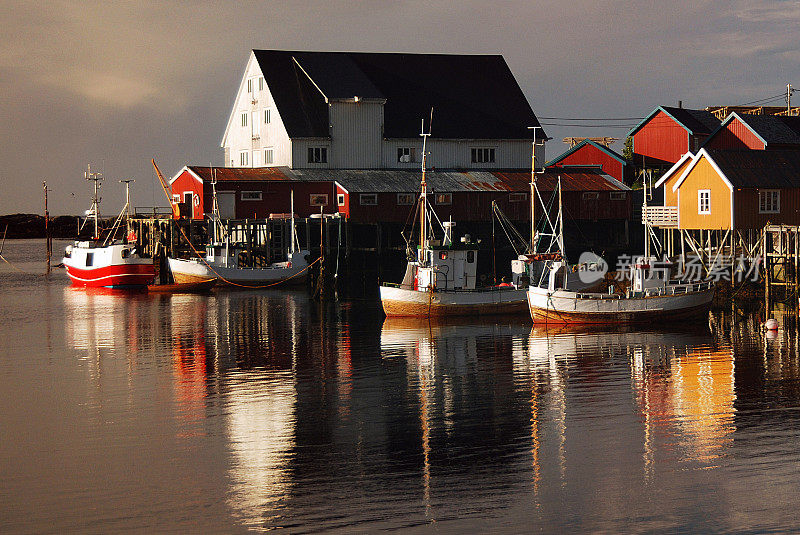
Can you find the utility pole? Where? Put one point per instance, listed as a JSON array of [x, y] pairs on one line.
[[48, 240]]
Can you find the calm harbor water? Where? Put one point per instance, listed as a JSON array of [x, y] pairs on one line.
[[242, 411]]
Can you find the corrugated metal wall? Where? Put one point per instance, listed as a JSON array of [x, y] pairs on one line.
[[356, 134]]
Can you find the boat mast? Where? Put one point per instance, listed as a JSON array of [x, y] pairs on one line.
[[127, 210], [96, 178], [533, 189], [423, 234]]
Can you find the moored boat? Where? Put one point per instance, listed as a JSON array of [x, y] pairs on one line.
[[235, 265], [650, 296], [106, 263], [440, 279]]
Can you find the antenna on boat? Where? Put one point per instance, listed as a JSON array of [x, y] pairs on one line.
[[423, 226], [96, 178], [127, 183]]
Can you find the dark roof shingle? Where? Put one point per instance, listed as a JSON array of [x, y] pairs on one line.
[[759, 168], [473, 96]]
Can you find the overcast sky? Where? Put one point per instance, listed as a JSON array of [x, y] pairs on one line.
[[117, 83]]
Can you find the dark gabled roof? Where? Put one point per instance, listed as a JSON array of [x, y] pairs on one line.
[[758, 168], [404, 181], [694, 121], [775, 129], [454, 180], [582, 144], [473, 96]]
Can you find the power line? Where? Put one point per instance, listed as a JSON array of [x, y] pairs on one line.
[[594, 119]]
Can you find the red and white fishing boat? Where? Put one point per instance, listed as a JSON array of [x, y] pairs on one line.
[[98, 263]]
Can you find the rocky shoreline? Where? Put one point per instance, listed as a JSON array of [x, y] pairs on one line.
[[32, 226]]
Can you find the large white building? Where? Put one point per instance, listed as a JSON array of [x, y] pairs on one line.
[[343, 110]]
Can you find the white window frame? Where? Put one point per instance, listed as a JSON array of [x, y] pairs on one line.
[[269, 157], [769, 201], [250, 195], [443, 199], [249, 85], [482, 155], [267, 116], [405, 199], [256, 125], [405, 154], [260, 83], [517, 196], [244, 119], [703, 201], [244, 158], [368, 199], [317, 154], [340, 199]]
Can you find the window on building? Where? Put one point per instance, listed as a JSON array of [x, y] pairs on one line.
[[769, 201], [267, 116], [267, 156], [176, 198], [251, 195], [340, 199], [368, 199], [244, 119], [256, 126], [244, 159], [260, 83], [482, 155], [249, 85], [405, 198], [317, 155], [618, 195], [318, 199], [405, 154], [517, 197], [444, 198], [704, 201], [590, 196]]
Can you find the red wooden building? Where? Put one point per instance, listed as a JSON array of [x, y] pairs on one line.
[[388, 196], [668, 133], [757, 132], [244, 193], [588, 153]]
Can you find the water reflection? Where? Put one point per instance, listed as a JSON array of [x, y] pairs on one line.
[[328, 417]]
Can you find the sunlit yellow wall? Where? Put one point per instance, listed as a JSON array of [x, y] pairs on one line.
[[670, 197], [703, 176]]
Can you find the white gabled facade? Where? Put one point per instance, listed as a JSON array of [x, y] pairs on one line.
[[255, 131], [255, 136]]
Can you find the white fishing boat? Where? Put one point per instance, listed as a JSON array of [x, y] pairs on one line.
[[650, 296], [441, 279], [232, 264], [107, 263]]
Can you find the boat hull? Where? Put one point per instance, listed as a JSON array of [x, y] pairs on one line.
[[113, 276], [193, 271], [399, 302], [563, 307]]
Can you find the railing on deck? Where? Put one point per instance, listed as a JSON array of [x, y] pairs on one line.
[[660, 216]]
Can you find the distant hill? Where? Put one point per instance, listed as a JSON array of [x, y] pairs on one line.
[[32, 226]]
